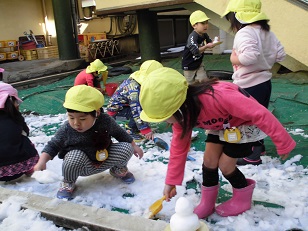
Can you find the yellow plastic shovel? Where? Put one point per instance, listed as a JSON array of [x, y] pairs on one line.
[[156, 207]]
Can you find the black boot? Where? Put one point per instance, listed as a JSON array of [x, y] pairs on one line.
[[254, 158]]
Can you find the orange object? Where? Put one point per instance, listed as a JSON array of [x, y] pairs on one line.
[[110, 88]]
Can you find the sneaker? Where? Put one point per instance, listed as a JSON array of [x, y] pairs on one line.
[[122, 173], [135, 135], [66, 190]]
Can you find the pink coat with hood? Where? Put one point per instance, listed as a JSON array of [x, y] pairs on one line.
[[228, 103]]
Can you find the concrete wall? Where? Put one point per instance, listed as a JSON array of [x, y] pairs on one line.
[[288, 21], [18, 16]]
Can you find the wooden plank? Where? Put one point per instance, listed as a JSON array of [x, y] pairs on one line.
[[70, 215]]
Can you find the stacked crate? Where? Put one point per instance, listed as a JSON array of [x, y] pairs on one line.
[[47, 52], [8, 50], [29, 54], [2, 56]]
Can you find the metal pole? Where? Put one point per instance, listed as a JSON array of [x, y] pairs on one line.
[[148, 35], [66, 38]]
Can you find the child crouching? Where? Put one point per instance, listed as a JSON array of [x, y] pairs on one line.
[[84, 142]]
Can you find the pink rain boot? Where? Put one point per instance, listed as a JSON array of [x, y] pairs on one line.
[[207, 204], [240, 201]]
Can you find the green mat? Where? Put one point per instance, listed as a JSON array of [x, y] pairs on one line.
[[289, 100]]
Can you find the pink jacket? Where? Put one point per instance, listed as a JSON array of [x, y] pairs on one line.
[[228, 103], [85, 78], [258, 51]]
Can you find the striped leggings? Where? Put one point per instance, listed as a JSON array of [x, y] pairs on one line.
[[77, 163]]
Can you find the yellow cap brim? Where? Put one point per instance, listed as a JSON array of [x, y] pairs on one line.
[[146, 118], [77, 107], [250, 17]]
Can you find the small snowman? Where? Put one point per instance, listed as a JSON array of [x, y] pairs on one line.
[[184, 219]]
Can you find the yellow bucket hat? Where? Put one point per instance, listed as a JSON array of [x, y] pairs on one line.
[[96, 65], [247, 11], [83, 98], [146, 68], [162, 93], [198, 16]]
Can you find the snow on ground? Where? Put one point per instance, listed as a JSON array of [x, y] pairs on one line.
[[281, 184]]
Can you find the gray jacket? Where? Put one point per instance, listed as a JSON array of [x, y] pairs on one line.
[[96, 138]]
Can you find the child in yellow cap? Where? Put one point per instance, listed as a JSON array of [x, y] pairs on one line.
[[84, 142], [219, 107], [255, 50], [124, 103], [198, 41], [92, 75]]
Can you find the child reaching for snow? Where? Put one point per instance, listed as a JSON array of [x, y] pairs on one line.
[[17, 154], [92, 75], [84, 142], [124, 103], [221, 108]]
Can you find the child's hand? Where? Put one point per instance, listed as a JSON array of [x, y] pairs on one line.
[[169, 191], [234, 58], [210, 45], [284, 157], [101, 90], [39, 166], [137, 150], [149, 136]]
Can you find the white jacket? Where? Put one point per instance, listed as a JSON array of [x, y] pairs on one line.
[[257, 50]]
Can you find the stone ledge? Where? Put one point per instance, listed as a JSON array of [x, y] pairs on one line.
[[28, 70]]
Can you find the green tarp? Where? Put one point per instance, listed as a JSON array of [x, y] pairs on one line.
[[289, 101]]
